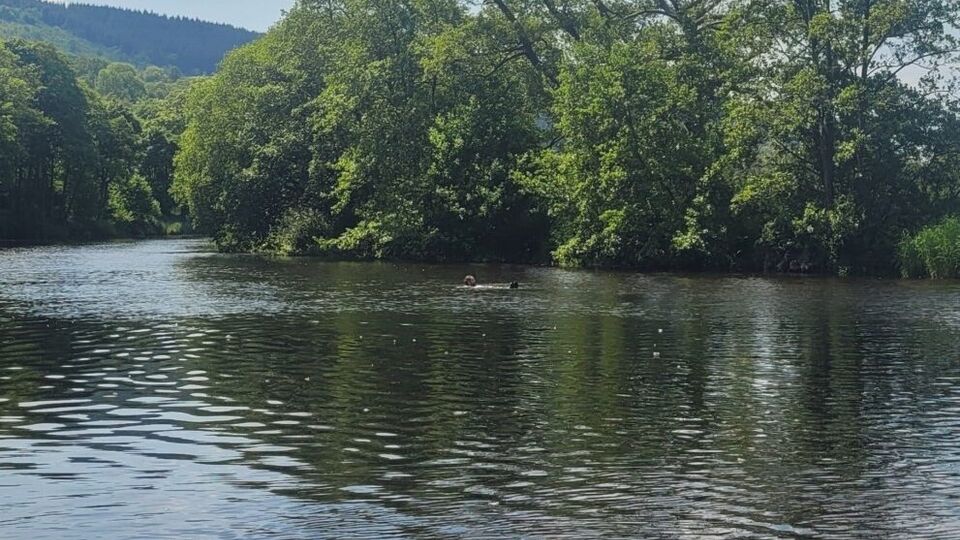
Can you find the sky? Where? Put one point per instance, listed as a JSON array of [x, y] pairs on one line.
[[253, 14]]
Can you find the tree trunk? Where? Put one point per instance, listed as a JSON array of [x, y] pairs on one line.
[[827, 155]]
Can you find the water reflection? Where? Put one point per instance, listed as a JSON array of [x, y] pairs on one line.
[[156, 386]]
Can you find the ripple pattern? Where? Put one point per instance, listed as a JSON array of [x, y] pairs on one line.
[[154, 386]]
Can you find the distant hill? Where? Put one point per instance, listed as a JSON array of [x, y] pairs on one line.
[[192, 46]]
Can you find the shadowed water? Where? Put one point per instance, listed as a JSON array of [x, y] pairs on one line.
[[157, 390]]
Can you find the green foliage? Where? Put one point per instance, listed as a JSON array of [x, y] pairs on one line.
[[403, 146], [724, 135], [933, 252], [830, 140], [121, 81], [173, 229], [297, 233], [628, 160], [132, 204], [75, 163]]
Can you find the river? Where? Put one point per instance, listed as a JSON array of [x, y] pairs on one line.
[[156, 389]]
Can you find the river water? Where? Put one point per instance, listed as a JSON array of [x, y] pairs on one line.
[[156, 389]]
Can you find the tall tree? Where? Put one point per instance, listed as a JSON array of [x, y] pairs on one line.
[[366, 130], [69, 157], [834, 142], [121, 81]]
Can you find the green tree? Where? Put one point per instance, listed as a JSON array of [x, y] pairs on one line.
[[372, 147], [775, 134], [163, 121], [833, 152], [121, 81], [133, 205], [69, 158], [16, 94]]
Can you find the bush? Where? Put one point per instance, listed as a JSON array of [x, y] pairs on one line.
[[131, 202], [933, 252], [173, 228], [297, 232]]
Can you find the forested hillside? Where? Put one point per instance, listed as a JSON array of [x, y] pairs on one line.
[[743, 135], [194, 47]]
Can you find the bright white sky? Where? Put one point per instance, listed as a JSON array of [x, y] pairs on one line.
[[253, 14]]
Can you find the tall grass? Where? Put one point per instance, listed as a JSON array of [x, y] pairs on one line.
[[933, 252]]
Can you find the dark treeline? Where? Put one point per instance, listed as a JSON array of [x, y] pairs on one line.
[[192, 46], [656, 134], [78, 161]]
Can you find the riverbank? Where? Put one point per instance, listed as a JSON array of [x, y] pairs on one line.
[[103, 232], [9, 244], [786, 266]]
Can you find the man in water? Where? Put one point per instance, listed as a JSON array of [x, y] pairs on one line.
[[471, 281]]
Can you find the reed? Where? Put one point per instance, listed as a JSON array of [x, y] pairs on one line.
[[933, 252]]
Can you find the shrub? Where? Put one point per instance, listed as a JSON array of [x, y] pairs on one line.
[[173, 228], [132, 203], [297, 232], [933, 252]]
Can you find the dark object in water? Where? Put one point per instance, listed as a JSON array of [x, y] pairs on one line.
[[515, 285], [470, 281]]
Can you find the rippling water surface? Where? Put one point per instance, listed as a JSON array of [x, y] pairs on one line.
[[157, 390]]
